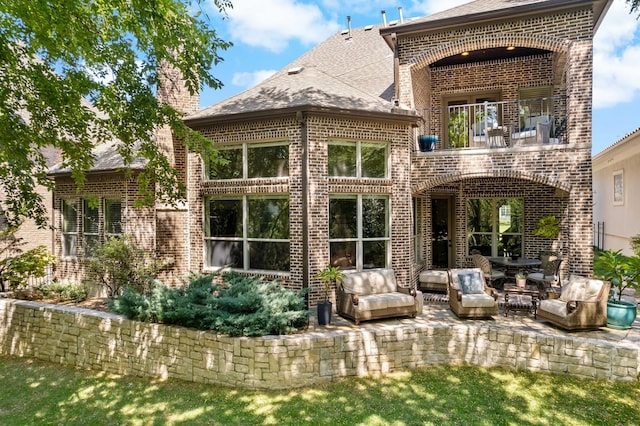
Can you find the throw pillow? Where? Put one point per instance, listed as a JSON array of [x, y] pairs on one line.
[[471, 283]]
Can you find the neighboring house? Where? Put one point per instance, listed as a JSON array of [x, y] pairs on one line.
[[616, 204], [323, 160]]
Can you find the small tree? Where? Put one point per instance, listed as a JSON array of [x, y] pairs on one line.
[[17, 266], [622, 271], [119, 263]]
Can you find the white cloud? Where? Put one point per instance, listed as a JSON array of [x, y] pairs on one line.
[[272, 24], [250, 79], [616, 58]]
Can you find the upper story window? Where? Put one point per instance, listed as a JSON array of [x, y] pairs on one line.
[[246, 161], [495, 226], [97, 222], [358, 159], [248, 232]]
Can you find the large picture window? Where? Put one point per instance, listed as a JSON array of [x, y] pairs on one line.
[[247, 161], [495, 226], [359, 231], [248, 233], [358, 159]]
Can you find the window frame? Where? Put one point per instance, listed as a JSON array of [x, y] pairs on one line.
[[358, 166], [244, 239], [618, 188], [244, 149], [64, 232], [359, 238], [495, 233]]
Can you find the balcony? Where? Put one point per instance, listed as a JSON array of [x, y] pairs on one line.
[[503, 124]]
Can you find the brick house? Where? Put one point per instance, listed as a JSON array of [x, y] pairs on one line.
[[406, 144]]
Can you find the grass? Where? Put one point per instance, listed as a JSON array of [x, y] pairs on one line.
[[35, 392]]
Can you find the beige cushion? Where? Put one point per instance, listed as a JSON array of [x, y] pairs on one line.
[[573, 290], [384, 301], [374, 281], [436, 277], [477, 301], [553, 306]]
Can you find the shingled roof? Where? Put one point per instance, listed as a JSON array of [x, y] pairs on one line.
[[351, 70]]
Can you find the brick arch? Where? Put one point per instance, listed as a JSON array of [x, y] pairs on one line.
[[433, 182], [499, 40]]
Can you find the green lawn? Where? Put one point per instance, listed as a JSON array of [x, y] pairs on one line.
[[33, 392]]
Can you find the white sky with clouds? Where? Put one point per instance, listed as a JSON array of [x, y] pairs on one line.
[[269, 34]]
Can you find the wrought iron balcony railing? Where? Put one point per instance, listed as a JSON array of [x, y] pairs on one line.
[[495, 124]]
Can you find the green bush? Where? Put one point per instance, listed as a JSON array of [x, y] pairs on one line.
[[119, 263], [229, 303], [64, 291], [16, 265]]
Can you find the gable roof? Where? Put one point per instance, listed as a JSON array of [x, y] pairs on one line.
[[350, 71]]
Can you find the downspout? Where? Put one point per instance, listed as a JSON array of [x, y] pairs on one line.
[[304, 140], [396, 70]]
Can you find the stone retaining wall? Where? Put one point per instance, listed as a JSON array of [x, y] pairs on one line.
[[108, 342]]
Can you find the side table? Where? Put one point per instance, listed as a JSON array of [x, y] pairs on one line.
[[511, 290]]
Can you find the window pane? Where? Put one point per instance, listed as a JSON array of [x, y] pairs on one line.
[[268, 218], [510, 215], [70, 245], [480, 215], [225, 253], [510, 245], [374, 217], [343, 254], [343, 218], [69, 216], [90, 218], [228, 165], [112, 217], [272, 256], [90, 244], [225, 218], [480, 243], [342, 160], [268, 161], [374, 160], [374, 254]]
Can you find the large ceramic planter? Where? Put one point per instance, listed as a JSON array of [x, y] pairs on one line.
[[620, 314], [427, 143], [324, 313]]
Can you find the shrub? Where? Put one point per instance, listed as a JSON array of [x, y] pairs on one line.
[[119, 263], [64, 291], [17, 266], [228, 303]]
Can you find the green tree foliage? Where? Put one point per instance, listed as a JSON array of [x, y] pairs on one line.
[[635, 6], [55, 56], [16, 265], [119, 263], [229, 303]]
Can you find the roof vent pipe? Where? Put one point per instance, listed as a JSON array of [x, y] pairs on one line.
[[349, 25], [384, 18], [400, 14]]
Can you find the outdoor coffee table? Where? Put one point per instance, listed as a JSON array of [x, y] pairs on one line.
[[514, 301]]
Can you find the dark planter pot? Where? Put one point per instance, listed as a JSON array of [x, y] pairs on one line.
[[427, 143], [620, 315], [324, 313]]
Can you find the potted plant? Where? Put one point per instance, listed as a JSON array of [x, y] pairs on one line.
[[521, 279], [328, 275], [623, 272]]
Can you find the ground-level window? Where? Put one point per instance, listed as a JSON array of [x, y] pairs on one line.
[[99, 219], [359, 231], [495, 226], [248, 232]]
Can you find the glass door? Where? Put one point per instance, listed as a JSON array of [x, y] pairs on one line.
[[441, 233]]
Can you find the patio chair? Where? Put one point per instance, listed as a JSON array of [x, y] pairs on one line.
[[469, 296], [582, 305], [548, 281], [492, 276]]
